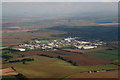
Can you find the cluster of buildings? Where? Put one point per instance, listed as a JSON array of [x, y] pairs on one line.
[[60, 43], [19, 49]]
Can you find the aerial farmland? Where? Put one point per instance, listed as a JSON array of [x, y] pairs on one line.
[[59, 41]]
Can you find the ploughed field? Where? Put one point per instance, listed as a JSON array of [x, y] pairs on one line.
[[103, 53], [108, 74], [71, 57]]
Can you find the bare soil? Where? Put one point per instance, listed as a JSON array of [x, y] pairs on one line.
[[108, 74], [8, 71]]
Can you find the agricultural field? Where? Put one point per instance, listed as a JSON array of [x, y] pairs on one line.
[[87, 50], [25, 26], [105, 54], [89, 33], [9, 78], [56, 64], [18, 30], [53, 67], [14, 38], [82, 59], [73, 58], [44, 67], [110, 51], [109, 74]]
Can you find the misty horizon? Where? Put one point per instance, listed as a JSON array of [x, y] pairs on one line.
[[33, 9]]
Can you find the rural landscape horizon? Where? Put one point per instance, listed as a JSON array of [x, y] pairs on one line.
[[60, 40]]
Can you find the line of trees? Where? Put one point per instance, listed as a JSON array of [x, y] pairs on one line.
[[22, 60], [72, 52]]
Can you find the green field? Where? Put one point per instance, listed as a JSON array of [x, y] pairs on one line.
[[44, 67], [105, 54], [9, 78]]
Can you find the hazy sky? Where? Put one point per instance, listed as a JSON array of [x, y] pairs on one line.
[[57, 8]]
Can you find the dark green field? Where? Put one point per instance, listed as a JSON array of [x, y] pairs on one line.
[[9, 78]]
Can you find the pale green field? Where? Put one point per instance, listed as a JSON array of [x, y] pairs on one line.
[[43, 67]]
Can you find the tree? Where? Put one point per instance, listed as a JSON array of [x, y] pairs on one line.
[[22, 55], [82, 48], [23, 62], [7, 57], [74, 63]]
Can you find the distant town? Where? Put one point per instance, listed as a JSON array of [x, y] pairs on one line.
[[59, 43]]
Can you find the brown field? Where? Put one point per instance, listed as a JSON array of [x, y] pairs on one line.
[[25, 30], [19, 37], [3, 47], [13, 27], [20, 58], [107, 24], [79, 59], [108, 74], [15, 34], [51, 25], [84, 51], [8, 71]]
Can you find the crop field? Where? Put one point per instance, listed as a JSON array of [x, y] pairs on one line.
[[8, 71], [107, 24], [14, 38], [105, 54], [82, 59], [44, 67], [9, 77], [78, 59], [109, 74], [84, 51]]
